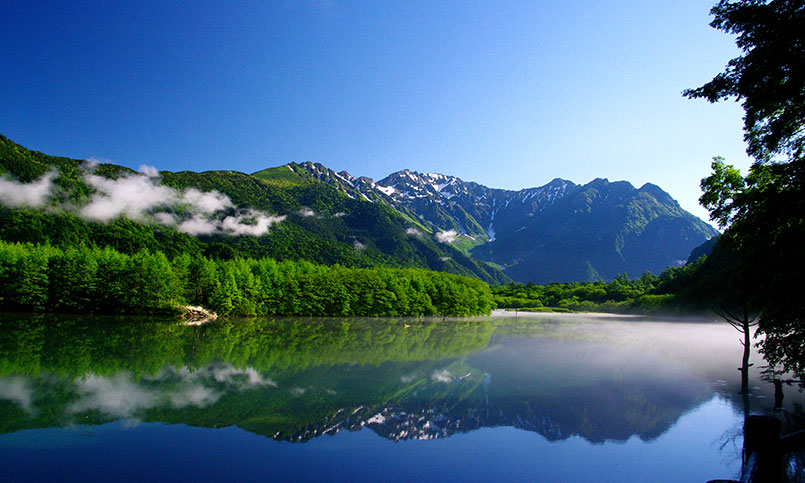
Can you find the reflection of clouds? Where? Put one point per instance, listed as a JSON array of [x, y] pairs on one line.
[[442, 376], [116, 396], [229, 374], [196, 395], [18, 390], [219, 373], [121, 396]]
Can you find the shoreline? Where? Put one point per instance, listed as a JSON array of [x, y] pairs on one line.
[[506, 313], [602, 315]]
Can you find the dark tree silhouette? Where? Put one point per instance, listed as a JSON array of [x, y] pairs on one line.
[[764, 213]]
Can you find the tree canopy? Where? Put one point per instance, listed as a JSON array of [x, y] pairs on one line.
[[768, 77], [764, 212]]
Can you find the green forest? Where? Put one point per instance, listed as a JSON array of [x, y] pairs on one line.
[[103, 280], [693, 288]]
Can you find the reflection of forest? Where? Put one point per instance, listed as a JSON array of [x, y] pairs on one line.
[[294, 379]]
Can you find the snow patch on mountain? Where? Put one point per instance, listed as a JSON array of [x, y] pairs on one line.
[[386, 190]]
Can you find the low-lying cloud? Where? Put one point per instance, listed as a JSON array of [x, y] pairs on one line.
[[133, 196], [142, 198], [34, 194], [248, 222], [448, 236], [442, 376]]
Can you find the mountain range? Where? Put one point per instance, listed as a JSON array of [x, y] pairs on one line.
[[557, 232]]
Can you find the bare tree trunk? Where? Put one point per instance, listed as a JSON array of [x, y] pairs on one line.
[[742, 323], [745, 361]]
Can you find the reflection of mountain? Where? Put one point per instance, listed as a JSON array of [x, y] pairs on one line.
[[293, 379]]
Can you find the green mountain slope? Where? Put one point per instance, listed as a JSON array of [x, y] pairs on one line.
[[320, 223]]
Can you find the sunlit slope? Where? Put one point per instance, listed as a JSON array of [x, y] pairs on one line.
[[309, 220]]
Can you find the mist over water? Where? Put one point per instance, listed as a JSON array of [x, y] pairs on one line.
[[540, 396]]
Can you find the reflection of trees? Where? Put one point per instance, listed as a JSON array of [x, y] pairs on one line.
[[295, 379], [81, 345]]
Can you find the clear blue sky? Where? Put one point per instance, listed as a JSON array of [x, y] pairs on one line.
[[507, 94]]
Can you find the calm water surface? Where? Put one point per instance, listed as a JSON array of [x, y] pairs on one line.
[[529, 398]]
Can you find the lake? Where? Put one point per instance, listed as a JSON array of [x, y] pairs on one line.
[[518, 398]]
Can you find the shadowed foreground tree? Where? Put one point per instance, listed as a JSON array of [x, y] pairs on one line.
[[764, 213]]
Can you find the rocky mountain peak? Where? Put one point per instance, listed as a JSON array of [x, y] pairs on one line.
[[556, 231]]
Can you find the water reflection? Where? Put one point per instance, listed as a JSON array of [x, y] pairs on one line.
[[296, 379]]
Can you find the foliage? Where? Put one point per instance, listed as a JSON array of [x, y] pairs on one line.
[[692, 288], [621, 295], [768, 77], [720, 189], [764, 213], [91, 279]]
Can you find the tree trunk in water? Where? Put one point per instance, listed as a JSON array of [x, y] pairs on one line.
[[745, 362]]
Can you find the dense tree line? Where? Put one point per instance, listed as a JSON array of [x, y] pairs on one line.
[[675, 290], [90, 279]]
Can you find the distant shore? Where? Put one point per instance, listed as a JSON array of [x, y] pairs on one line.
[[602, 315]]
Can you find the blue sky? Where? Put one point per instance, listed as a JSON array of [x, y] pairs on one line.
[[507, 94]]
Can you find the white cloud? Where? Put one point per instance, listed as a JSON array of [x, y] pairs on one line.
[[448, 236], [131, 195], [33, 194], [206, 202], [413, 232], [250, 222], [442, 376], [142, 198], [358, 245], [148, 170], [307, 212], [198, 225]]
